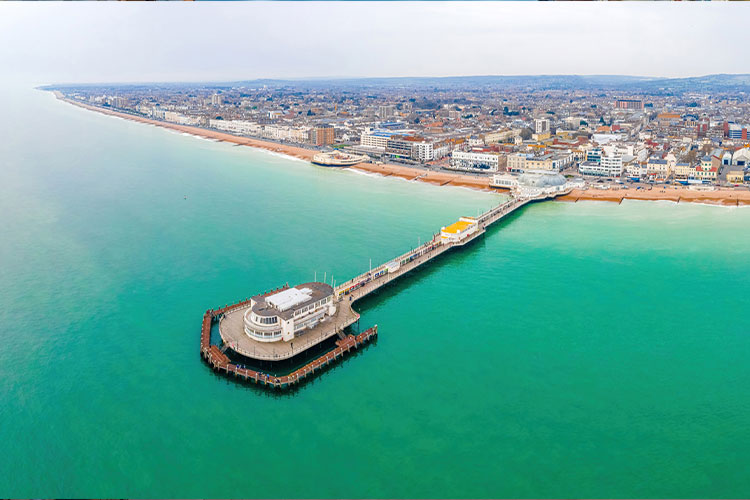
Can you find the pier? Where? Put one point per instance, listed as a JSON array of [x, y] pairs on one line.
[[220, 362], [230, 317]]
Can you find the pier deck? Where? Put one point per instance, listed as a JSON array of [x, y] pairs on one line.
[[231, 321], [232, 331], [221, 363]]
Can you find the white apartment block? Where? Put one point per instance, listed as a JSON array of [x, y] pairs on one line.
[[619, 149], [374, 139], [541, 126], [422, 151], [467, 160], [237, 126], [593, 168], [179, 118], [612, 165], [440, 150], [285, 133]]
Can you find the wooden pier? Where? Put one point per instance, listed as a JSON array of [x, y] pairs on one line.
[[368, 282], [220, 362], [345, 295]]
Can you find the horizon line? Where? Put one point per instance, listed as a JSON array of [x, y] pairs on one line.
[[354, 78]]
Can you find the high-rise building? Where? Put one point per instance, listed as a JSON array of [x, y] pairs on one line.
[[321, 136], [217, 100], [629, 104], [386, 111], [541, 126]]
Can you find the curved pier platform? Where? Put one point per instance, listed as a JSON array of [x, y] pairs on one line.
[[230, 317]]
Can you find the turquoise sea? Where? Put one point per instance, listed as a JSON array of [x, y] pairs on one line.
[[577, 350]]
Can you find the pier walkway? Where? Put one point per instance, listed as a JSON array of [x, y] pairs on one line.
[[368, 282], [231, 326]]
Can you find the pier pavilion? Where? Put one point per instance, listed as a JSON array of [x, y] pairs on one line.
[[281, 324], [289, 313]]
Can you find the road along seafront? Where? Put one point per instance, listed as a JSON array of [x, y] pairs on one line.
[[232, 321]]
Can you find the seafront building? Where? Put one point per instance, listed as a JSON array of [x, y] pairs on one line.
[[287, 314], [639, 135], [475, 161], [460, 230], [321, 136]]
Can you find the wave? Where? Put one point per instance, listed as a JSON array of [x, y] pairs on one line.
[[681, 202], [278, 154], [365, 173], [719, 205], [187, 134]]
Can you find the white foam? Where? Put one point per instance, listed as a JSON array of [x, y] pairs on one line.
[[719, 205], [276, 153], [365, 173], [671, 202], [187, 134]]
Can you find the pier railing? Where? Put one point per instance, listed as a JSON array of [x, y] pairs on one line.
[[221, 362], [417, 253], [373, 280], [411, 254]]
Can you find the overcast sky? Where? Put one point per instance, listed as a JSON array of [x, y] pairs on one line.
[[178, 41]]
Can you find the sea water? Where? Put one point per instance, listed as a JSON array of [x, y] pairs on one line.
[[575, 350]]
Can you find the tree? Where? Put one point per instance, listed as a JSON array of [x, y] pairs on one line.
[[692, 156], [526, 134]]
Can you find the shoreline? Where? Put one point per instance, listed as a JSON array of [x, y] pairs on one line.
[[293, 151], [718, 196], [386, 170]]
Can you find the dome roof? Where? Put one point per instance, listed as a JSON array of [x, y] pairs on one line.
[[540, 179]]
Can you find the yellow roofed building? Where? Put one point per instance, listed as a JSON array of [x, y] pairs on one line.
[[459, 230]]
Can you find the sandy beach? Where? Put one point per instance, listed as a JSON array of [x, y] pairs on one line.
[[297, 152], [679, 194], [409, 173]]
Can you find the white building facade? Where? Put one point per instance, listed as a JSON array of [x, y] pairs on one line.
[[285, 315], [468, 160]]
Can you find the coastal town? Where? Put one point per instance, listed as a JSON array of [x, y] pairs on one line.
[[617, 140]]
